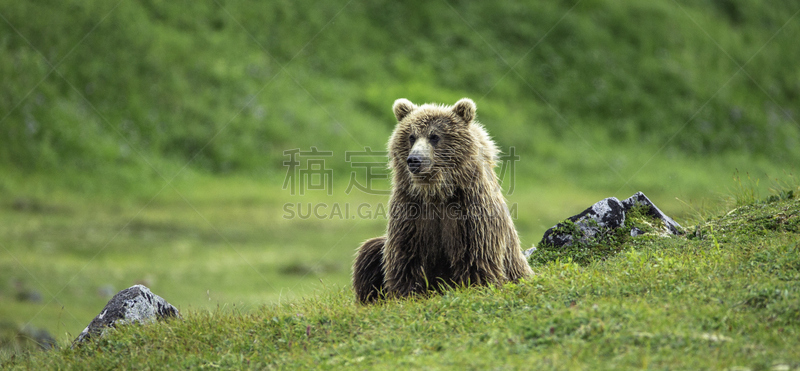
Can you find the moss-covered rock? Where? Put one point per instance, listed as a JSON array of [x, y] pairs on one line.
[[601, 230]]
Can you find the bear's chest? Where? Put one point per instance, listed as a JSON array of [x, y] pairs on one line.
[[439, 227]]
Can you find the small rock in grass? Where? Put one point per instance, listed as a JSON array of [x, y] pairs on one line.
[[14, 336], [639, 199], [32, 296], [41, 337], [602, 217], [132, 305]]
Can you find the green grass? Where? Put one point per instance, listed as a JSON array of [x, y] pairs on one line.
[[109, 89], [726, 297], [212, 249], [203, 242]]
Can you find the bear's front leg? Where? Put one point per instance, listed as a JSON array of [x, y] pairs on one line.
[[368, 270], [404, 273], [477, 258]]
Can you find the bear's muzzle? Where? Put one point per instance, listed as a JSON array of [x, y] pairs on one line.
[[414, 163]]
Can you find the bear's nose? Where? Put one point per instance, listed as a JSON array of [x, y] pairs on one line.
[[414, 164]]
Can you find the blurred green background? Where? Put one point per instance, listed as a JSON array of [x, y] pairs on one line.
[[143, 141]]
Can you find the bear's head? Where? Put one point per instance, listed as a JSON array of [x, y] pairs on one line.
[[435, 148]]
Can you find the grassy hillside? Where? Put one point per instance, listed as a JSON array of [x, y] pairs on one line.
[[724, 297], [109, 88]]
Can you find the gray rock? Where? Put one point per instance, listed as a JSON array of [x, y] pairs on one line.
[[640, 199], [29, 295], [41, 337], [14, 336], [132, 305], [602, 218], [527, 253]]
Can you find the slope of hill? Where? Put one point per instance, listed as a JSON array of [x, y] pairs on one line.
[[109, 88], [724, 297]]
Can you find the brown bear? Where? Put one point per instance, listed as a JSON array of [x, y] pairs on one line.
[[448, 220]]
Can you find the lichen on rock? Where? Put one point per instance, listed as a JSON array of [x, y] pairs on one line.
[[135, 304], [599, 230]]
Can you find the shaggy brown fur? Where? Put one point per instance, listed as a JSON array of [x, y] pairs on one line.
[[369, 279], [448, 221]]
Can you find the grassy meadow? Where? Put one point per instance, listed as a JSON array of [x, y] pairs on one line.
[[145, 142], [725, 297]]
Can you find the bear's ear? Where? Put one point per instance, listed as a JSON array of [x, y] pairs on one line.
[[465, 108], [402, 107]]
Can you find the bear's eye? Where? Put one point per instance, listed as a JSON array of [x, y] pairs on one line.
[[434, 139], [412, 138]]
